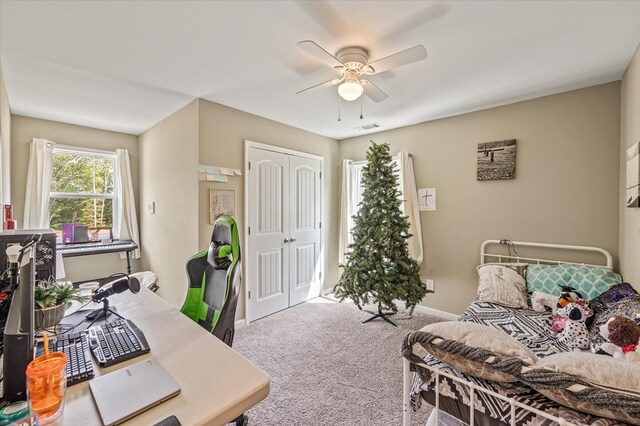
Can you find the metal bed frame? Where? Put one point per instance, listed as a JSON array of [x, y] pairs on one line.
[[484, 256]]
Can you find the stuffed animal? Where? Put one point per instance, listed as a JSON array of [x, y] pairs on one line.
[[567, 295], [541, 300], [624, 338], [575, 333]]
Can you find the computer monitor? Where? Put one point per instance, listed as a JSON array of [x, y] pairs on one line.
[[19, 333]]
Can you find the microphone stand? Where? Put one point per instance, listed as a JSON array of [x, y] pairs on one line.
[[104, 312]]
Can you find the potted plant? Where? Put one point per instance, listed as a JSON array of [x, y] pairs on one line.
[[51, 300]]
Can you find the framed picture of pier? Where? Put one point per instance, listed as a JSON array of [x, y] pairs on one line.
[[497, 160]]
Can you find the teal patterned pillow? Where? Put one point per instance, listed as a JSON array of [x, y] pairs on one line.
[[590, 281]]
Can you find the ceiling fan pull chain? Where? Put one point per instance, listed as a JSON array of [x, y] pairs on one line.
[[339, 119], [361, 116]]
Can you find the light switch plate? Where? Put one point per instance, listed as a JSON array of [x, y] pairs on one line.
[[431, 285], [151, 207]]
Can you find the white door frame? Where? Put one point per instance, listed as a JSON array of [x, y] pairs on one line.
[[247, 146]]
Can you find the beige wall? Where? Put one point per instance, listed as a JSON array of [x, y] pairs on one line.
[[223, 131], [5, 144], [23, 130], [169, 178], [564, 192], [629, 135]]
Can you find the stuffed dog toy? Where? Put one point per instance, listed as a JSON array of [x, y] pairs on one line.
[[575, 333], [624, 338]]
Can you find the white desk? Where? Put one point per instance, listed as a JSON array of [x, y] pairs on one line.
[[217, 383]]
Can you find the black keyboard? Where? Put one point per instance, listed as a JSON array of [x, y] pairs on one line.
[[76, 347], [116, 341], [83, 249]]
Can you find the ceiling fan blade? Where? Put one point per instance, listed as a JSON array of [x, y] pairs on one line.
[[317, 51], [414, 54], [326, 83], [373, 92]]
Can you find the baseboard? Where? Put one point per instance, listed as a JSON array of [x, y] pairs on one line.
[[240, 324], [436, 312], [327, 291], [419, 308]]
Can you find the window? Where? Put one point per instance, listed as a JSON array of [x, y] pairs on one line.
[[355, 196], [82, 189]]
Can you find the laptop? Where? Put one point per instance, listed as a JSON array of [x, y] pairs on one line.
[[129, 391]]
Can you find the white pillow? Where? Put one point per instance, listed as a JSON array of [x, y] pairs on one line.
[[594, 384], [599, 370], [457, 343], [502, 284], [484, 337]]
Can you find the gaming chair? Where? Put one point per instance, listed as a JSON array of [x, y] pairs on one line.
[[215, 276]]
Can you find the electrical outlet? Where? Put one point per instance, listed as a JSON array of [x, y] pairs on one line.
[[431, 285]]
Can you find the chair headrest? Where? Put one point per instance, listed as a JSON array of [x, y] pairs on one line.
[[219, 255], [225, 231]]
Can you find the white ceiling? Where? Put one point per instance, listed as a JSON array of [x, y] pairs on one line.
[[126, 65]]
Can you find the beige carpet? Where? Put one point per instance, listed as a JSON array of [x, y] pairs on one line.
[[327, 368]]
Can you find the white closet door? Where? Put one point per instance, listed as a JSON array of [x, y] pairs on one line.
[[304, 224], [269, 227]]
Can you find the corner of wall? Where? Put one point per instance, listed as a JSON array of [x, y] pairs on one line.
[[629, 227], [5, 143], [169, 182]]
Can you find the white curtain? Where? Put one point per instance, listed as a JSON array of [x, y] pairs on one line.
[[125, 220], [346, 192], [2, 167], [36, 201], [351, 195], [411, 206]]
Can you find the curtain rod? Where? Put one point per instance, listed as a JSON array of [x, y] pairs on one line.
[[82, 149], [364, 161]]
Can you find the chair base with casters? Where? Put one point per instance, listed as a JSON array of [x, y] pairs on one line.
[[215, 277]]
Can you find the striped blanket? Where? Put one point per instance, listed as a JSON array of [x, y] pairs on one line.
[[533, 330]]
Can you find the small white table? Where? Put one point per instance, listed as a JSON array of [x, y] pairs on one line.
[[217, 383]]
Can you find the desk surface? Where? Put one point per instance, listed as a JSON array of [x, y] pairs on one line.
[[217, 383]]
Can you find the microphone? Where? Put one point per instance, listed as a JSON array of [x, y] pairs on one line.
[[118, 285]]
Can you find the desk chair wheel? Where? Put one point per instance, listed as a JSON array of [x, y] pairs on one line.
[[242, 420]]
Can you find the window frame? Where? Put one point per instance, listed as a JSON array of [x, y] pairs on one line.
[[355, 196], [90, 152]]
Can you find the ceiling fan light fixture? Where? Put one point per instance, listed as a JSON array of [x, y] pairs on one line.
[[350, 90]]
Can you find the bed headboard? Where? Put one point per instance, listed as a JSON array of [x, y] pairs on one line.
[[516, 251]]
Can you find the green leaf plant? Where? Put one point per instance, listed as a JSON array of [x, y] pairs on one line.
[[52, 293]]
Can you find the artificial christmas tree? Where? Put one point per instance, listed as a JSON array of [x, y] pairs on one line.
[[379, 269]]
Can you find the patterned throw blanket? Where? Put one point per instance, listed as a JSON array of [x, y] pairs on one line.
[[533, 330]]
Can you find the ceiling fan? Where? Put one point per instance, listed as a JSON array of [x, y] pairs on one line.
[[351, 64]]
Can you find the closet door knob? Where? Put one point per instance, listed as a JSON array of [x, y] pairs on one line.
[[286, 241], [292, 240]]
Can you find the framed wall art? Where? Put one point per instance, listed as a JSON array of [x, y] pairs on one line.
[[497, 160], [427, 199], [222, 202]]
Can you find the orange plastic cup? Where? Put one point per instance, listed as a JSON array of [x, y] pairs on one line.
[[46, 386]]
